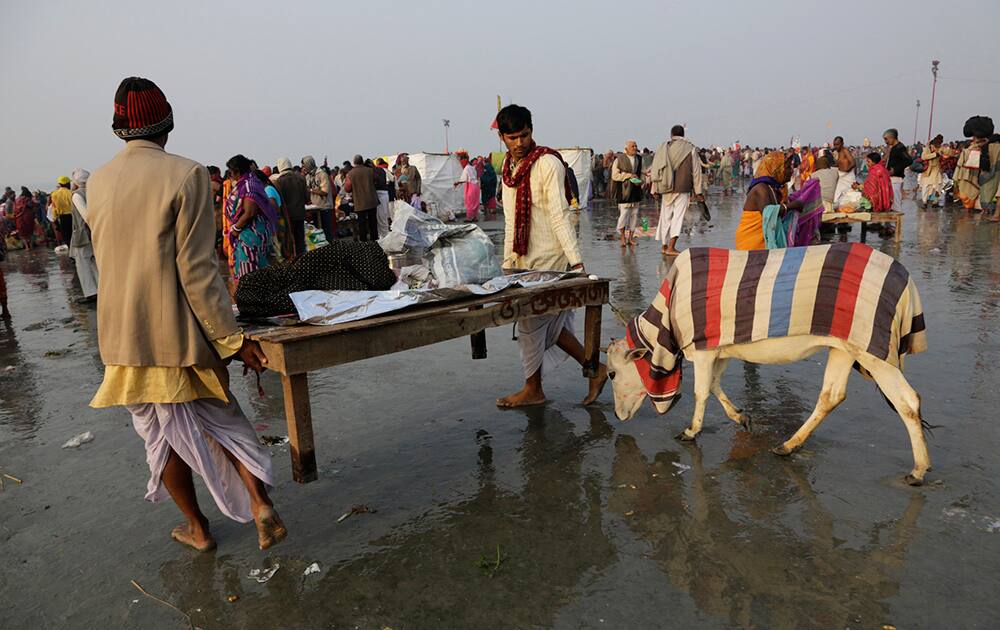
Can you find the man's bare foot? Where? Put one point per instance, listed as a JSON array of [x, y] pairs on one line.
[[523, 398], [270, 528], [199, 540], [597, 384]]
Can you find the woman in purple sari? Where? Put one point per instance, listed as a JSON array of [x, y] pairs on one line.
[[252, 219]]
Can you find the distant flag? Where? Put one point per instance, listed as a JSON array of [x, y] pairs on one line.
[[493, 125]]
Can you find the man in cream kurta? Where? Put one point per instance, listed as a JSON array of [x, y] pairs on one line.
[[551, 245], [165, 324]]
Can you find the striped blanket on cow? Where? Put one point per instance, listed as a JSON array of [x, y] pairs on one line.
[[717, 297]]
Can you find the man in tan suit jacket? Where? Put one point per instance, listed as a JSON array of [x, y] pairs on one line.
[[166, 328]]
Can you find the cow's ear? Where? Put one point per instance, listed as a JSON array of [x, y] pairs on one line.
[[636, 353]]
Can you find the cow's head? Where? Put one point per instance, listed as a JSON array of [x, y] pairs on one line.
[[625, 381]]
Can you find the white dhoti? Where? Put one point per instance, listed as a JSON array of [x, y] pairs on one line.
[[537, 337], [86, 269], [628, 216], [844, 183], [897, 194], [928, 188], [198, 431], [673, 207], [382, 212]]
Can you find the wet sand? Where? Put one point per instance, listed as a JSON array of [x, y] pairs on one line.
[[600, 524]]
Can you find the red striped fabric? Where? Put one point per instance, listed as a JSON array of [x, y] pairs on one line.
[[718, 261], [847, 290]]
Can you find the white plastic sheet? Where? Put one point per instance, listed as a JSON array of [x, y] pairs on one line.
[[579, 159], [438, 174], [455, 254], [325, 308]]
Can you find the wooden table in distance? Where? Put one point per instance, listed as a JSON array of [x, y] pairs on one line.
[[875, 217], [294, 351]]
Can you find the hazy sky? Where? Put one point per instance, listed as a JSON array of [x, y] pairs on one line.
[[337, 78]]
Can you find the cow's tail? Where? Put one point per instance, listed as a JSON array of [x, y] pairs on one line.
[[925, 426]]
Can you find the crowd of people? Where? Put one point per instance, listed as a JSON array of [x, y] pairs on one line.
[[862, 177]]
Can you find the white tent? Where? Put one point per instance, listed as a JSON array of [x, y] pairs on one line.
[[438, 174], [579, 159]]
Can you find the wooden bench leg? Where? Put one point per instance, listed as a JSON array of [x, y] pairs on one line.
[[864, 230], [592, 340], [478, 340], [899, 228], [298, 415]]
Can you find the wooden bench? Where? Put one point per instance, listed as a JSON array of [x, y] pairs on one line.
[[864, 218], [294, 351]]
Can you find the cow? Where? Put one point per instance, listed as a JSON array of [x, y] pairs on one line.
[[773, 307]]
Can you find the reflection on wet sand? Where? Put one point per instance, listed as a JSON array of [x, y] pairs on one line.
[[20, 402], [784, 567], [424, 575], [626, 294]]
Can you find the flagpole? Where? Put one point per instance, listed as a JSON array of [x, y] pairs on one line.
[[503, 147]]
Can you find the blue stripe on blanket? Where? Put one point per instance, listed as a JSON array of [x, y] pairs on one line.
[[784, 289]]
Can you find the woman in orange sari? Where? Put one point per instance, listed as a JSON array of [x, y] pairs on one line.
[[766, 188]]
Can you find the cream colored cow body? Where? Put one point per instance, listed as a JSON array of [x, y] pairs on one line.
[[710, 364]]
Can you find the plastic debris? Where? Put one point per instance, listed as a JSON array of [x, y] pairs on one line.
[[263, 575], [312, 568], [680, 467], [273, 440], [76, 441], [9, 368]]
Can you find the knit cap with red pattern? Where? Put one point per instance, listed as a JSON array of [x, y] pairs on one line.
[[141, 110]]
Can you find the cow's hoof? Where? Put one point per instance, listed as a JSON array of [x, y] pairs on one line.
[[783, 450], [745, 422], [913, 481], [684, 437]]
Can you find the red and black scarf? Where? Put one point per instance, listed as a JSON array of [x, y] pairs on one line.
[[520, 180]]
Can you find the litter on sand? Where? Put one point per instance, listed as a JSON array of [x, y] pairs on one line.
[[164, 602], [357, 509], [273, 440], [263, 575], [76, 441], [11, 477], [312, 568], [680, 467]]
